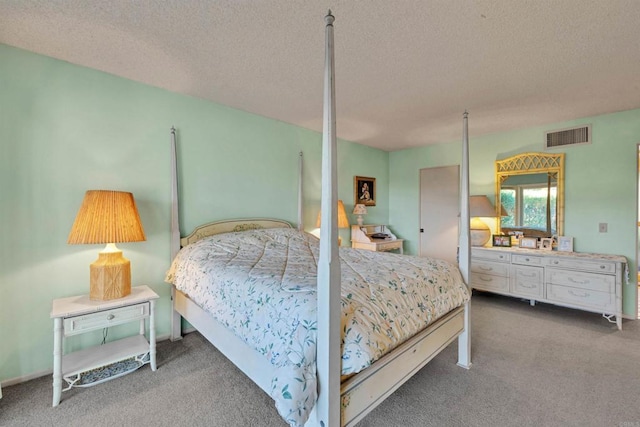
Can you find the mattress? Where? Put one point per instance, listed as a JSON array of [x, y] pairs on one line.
[[261, 284]]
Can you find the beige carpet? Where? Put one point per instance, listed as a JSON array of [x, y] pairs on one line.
[[532, 366]]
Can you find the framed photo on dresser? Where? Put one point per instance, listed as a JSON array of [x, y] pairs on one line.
[[501, 241], [565, 244], [529, 242]]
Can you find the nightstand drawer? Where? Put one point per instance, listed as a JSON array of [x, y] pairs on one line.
[[105, 319]]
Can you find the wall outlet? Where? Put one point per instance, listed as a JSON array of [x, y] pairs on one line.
[[602, 227]]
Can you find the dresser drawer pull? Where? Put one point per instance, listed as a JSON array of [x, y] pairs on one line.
[[522, 285], [529, 275], [486, 279], [579, 294], [578, 282], [501, 256], [110, 317], [526, 259], [602, 267], [556, 262], [482, 267]]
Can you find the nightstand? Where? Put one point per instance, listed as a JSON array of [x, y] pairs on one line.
[[77, 315]]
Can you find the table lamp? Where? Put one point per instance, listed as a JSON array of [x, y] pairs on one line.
[[108, 217], [343, 222], [480, 206], [360, 210]]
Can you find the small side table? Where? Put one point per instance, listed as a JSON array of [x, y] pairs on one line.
[[375, 238], [77, 315]]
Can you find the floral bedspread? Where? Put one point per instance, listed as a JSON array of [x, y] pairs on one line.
[[261, 284]]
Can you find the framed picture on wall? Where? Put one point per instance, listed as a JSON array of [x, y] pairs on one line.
[[364, 190]]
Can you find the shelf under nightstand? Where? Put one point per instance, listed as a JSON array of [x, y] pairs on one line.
[[77, 315]]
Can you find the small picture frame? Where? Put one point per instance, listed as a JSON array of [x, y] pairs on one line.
[[565, 244], [529, 242], [546, 244], [501, 241], [364, 190]]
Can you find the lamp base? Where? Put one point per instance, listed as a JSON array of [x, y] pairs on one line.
[[479, 232], [480, 237], [110, 276]]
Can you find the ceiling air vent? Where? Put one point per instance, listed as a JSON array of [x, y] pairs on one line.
[[571, 136]]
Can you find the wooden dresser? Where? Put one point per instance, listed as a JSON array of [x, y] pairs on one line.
[[591, 282]]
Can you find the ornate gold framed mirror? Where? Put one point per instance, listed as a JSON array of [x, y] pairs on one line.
[[530, 187]]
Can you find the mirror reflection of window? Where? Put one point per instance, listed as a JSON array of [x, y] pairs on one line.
[[523, 183], [526, 206]]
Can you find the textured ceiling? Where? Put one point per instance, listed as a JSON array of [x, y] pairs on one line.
[[405, 69]]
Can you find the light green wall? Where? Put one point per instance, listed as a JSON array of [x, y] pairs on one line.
[[65, 129], [600, 183]]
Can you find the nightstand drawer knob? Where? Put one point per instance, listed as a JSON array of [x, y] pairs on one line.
[[110, 317]]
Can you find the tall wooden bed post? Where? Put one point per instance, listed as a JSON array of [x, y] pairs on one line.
[[176, 319], [464, 254], [327, 412], [328, 346]]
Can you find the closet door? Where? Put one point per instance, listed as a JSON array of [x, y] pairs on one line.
[[439, 209]]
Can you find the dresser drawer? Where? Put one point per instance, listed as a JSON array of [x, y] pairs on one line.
[[487, 282], [578, 279], [582, 265], [104, 319], [491, 255], [526, 260], [527, 281], [493, 268], [594, 300]]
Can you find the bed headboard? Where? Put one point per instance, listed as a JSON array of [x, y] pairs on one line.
[[231, 225]]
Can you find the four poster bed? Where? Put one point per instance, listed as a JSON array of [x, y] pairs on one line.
[[344, 327]]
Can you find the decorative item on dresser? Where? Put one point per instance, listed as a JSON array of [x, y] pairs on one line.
[[108, 217], [565, 243], [480, 206], [586, 281], [375, 238], [94, 365]]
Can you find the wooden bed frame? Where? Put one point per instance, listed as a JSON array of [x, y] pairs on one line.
[[340, 403]]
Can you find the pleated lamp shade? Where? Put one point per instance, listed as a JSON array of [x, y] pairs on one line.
[[480, 206], [108, 217], [343, 221]]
